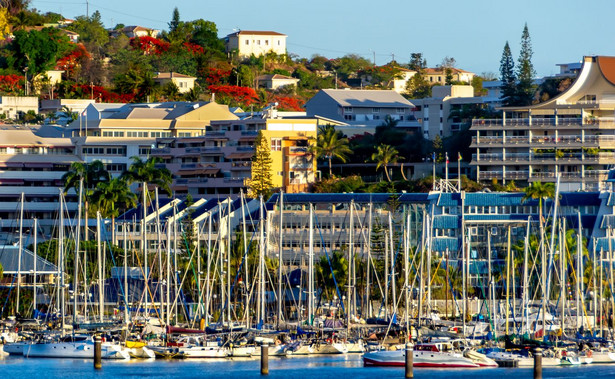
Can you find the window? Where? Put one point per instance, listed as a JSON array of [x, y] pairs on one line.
[[145, 150], [347, 109], [267, 42], [375, 110], [276, 144], [401, 110], [247, 42], [258, 42], [184, 134], [137, 134]]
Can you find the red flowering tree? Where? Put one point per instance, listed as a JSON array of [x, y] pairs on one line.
[[193, 48], [102, 94], [73, 59], [11, 84], [287, 103], [234, 95], [150, 45], [216, 76]]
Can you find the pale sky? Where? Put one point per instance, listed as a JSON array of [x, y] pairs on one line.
[[473, 31]]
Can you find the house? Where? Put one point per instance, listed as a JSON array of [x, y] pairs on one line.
[[220, 161], [438, 75], [399, 83], [361, 110], [184, 83], [569, 138], [276, 81], [134, 31], [60, 105], [250, 42], [12, 106]]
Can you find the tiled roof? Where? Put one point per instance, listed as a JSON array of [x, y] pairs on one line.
[[607, 66], [368, 98], [257, 33]]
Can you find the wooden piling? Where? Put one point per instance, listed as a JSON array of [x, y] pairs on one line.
[[409, 361], [97, 352], [265, 359], [538, 364]]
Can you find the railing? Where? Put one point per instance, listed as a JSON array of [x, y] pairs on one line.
[[249, 133], [596, 173], [523, 174], [190, 180], [162, 150], [491, 174], [241, 164], [245, 148]]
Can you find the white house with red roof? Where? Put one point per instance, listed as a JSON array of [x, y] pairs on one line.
[[248, 42]]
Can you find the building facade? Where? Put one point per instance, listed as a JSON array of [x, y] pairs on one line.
[[570, 137], [251, 42]]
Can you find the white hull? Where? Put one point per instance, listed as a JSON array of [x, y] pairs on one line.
[[204, 352], [83, 350], [420, 359]]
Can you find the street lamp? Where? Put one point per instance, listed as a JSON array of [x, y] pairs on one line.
[[25, 70]]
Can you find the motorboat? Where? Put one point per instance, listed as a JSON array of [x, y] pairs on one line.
[[74, 347], [424, 355]]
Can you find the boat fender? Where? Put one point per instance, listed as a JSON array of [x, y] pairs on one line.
[[329, 340], [589, 354], [563, 353]]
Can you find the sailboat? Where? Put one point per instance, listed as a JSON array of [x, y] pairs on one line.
[[79, 346]]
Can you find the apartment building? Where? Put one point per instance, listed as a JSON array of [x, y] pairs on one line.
[[436, 114], [219, 162], [570, 137], [361, 110]]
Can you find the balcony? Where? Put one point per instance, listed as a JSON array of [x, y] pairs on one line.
[[162, 150], [522, 174]]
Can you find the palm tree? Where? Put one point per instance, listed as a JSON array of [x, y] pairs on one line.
[[331, 144], [91, 173], [112, 196], [539, 191], [384, 156], [147, 171]]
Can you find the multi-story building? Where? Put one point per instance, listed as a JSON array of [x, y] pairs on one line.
[[361, 110], [14, 106], [219, 162], [154, 120], [34, 166], [436, 114], [251, 42], [571, 137], [184, 83]]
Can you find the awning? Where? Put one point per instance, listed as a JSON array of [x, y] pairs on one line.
[[11, 164], [239, 155]]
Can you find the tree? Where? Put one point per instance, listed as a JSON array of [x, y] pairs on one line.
[[147, 171], [330, 144], [417, 62], [540, 191], [37, 50], [384, 156], [261, 182], [525, 70], [110, 197], [5, 26], [174, 24], [91, 30], [508, 77], [448, 64]]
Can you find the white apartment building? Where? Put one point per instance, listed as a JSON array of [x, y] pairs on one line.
[[257, 43]]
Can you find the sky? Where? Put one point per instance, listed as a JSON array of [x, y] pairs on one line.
[[473, 32]]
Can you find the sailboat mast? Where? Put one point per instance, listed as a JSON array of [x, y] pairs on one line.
[[34, 292], [101, 279], [228, 261], [62, 262], [168, 286], [144, 248], [280, 250], [208, 278], [20, 253], [368, 265], [76, 253], [350, 260], [126, 319], [311, 267]]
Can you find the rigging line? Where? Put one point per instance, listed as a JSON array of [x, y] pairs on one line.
[[127, 14]]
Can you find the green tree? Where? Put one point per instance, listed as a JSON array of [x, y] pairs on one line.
[[91, 173], [540, 191], [338, 267], [91, 31], [508, 77], [149, 172], [384, 156], [525, 70], [170, 91], [261, 181], [174, 24], [331, 143], [37, 50], [111, 197]]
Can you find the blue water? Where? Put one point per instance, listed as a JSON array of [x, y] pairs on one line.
[[287, 368]]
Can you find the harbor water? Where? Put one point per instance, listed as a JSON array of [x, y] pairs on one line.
[[337, 367]]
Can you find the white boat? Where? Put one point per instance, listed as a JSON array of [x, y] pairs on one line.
[[479, 359], [204, 351], [80, 347], [16, 348], [243, 351], [424, 355], [350, 347]]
